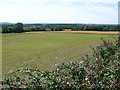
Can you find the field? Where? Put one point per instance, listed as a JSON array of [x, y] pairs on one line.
[[44, 50]]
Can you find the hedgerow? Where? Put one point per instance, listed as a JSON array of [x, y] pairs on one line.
[[98, 71]]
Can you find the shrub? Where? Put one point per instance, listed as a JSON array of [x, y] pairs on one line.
[[99, 71]]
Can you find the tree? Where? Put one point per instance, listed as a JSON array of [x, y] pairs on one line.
[[5, 29], [106, 28], [18, 28]]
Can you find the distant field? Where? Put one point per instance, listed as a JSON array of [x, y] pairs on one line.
[[44, 50], [85, 32], [94, 32]]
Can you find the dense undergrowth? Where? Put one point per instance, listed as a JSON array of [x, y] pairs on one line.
[[99, 71]]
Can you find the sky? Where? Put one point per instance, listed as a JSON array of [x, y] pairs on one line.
[[59, 11]]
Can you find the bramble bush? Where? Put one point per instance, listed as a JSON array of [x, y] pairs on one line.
[[99, 71]]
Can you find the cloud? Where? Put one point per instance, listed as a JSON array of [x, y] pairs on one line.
[[104, 1], [69, 11], [57, 1], [94, 1]]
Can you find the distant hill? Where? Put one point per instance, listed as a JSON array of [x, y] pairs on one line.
[[5, 23]]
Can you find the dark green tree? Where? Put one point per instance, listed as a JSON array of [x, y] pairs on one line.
[[106, 28], [18, 28], [5, 29]]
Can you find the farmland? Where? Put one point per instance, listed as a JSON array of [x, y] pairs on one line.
[[46, 49]]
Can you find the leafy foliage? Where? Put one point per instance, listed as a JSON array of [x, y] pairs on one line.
[[99, 71]]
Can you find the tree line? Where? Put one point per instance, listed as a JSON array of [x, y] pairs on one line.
[[16, 28], [20, 27]]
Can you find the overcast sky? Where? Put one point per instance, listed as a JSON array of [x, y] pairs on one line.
[[59, 11]]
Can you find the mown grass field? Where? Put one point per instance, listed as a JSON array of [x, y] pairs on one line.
[[44, 50]]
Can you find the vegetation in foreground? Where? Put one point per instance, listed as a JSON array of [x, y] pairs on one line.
[[99, 71]]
